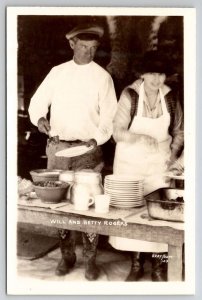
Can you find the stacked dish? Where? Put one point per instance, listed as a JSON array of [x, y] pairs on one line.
[[125, 192]]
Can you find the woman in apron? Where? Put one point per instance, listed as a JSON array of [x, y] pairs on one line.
[[148, 130]]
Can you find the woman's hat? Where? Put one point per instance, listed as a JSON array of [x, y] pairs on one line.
[[155, 62]]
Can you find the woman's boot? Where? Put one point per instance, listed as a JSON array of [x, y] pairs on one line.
[[90, 241], [67, 247], [137, 270], [159, 267]]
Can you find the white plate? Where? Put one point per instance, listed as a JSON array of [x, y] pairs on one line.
[[120, 178], [132, 199], [127, 203], [134, 185], [115, 199], [130, 194], [129, 197], [125, 191], [123, 182], [123, 188], [130, 206], [126, 200], [73, 151], [172, 176]]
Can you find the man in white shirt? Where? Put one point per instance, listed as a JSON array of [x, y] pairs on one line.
[[82, 103]]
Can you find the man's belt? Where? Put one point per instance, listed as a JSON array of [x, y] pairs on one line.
[[71, 142], [56, 140]]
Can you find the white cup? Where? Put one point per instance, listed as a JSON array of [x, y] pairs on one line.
[[82, 202], [102, 203]]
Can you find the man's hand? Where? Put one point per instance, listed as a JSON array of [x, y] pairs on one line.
[[43, 125], [91, 142]]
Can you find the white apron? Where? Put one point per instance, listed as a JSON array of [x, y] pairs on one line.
[[140, 159]]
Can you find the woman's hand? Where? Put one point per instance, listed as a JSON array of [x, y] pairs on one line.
[[43, 125], [177, 167]]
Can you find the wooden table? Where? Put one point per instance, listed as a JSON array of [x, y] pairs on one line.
[[37, 216]]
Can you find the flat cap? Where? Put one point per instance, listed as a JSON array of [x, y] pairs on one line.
[[86, 29]]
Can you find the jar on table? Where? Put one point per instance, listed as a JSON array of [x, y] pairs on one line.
[[86, 182]]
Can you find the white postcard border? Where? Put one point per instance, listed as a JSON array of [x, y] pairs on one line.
[[36, 287]]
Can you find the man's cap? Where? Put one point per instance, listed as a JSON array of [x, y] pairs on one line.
[[95, 30]]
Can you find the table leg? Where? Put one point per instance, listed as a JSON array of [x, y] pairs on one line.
[[174, 263]]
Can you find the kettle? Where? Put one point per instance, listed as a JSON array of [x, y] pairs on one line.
[[86, 182]]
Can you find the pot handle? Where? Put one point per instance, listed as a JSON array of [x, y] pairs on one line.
[[68, 196], [91, 201]]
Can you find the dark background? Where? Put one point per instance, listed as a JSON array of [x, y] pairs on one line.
[[42, 45]]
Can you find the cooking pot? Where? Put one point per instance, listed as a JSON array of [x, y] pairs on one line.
[[86, 182]]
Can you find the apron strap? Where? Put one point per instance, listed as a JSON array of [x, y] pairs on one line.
[[163, 102], [141, 100]]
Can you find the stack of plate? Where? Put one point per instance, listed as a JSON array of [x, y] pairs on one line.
[[125, 192]]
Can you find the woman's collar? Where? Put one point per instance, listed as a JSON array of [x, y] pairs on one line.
[[137, 83]]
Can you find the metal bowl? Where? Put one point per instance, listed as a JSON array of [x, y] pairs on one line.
[[45, 174], [160, 208], [179, 183], [54, 193], [173, 193]]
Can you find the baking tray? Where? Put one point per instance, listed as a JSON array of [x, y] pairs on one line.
[[159, 207]]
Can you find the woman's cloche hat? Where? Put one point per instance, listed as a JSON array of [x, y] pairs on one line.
[[155, 61]]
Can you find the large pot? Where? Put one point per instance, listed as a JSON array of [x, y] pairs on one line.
[[86, 182]]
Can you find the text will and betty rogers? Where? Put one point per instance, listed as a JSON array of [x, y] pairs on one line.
[[88, 222]]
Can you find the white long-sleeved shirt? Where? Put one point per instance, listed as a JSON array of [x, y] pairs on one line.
[[123, 117], [82, 100]]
